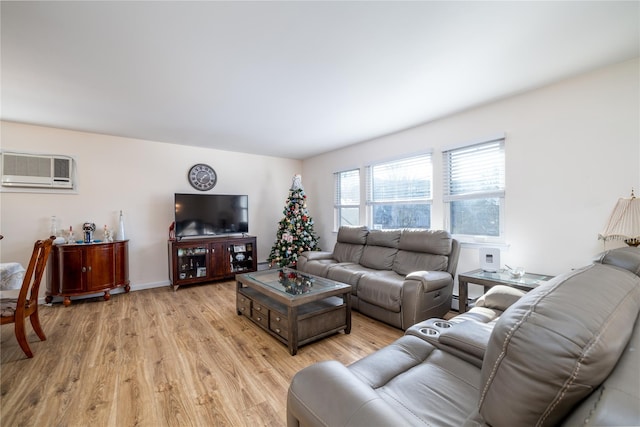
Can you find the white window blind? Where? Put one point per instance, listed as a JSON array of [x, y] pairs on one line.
[[474, 188], [477, 170], [399, 193], [347, 198]]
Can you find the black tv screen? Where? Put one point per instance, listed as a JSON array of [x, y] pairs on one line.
[[211, 214]]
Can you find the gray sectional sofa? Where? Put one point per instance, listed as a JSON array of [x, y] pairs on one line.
[[567, 353], [399, 277]]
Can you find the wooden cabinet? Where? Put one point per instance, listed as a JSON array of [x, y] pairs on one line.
[[80, 269], [205, 260]]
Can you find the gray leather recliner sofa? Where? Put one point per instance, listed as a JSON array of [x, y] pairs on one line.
[[399, 276], [566, 353]]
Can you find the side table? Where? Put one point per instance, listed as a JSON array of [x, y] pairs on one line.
[[488, 280]]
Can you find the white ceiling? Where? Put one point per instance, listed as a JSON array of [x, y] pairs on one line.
[[290, 79]]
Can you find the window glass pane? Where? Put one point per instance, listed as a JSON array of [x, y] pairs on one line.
[[399, 193], [350, 188], [349, 216], [403, 215], [347, 198], [476, 217], [475, 169], [407, 179], [474, 183]]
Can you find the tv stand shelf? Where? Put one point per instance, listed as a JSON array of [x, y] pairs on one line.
[[193, 261]]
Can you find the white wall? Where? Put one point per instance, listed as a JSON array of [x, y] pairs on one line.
[[138, 177], [572, 149]]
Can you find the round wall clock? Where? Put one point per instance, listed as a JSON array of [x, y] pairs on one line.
[[202, 177]]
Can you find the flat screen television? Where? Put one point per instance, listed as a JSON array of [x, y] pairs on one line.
[[211, 214]]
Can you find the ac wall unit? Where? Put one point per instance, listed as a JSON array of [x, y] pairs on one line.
[[37, 171]]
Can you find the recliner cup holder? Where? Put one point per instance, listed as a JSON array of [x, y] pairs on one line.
[[429, 332], [442, 324]]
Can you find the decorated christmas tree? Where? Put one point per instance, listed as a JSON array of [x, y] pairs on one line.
[[295, 230]]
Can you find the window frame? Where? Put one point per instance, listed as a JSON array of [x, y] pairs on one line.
[[338, 178], [370, 183], [480, 148]]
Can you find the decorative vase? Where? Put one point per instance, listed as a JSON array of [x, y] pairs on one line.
[[121, 235]]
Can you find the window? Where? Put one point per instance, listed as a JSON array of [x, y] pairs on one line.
[[399, 193], [347, 198], [474, 189]]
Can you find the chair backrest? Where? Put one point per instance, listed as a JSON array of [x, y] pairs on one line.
[[558, 343], [30, 288]]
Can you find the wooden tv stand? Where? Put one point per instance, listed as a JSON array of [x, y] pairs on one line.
[[201, 260]]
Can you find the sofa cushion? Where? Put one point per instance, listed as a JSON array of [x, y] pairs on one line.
[[627, 258], [347, 252], [383, 289], [556, 344], [349, 273], [356, 235], [349, 243], [381, 249], [437, 242], [500, 297], [318, 267], [422, 250], [378, 257], [425, 385], [386, 238], [406, 262]]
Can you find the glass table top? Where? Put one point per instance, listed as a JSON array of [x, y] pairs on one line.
[[529, 279], [293, 282]]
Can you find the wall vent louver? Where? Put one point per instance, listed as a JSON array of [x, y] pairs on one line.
[[37, 171]]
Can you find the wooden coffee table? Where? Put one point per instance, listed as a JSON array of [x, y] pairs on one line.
[[294, 307]]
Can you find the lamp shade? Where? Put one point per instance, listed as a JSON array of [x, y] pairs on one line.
[[624, 221]]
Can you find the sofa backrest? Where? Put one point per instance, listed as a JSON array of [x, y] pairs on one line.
[[617, 401], [423, 250], [556, 344], [627, 258], [381, 249], [350, 243]]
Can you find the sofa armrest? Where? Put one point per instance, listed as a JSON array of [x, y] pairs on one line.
[[425, 294], [329, 394], [314, 255], [430, 280], [469, 337], [499, 297]]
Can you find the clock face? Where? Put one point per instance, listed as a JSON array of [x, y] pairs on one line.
[[202, 177]]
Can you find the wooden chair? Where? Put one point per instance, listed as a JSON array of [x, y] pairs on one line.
[[26, 305]]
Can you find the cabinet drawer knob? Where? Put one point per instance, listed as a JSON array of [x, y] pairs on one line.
[[278, 319], [278, 330], [242, 308], [259, 319], [84, 269], [258, 308]]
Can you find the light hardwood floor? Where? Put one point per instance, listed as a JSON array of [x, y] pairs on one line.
[[159, 358]]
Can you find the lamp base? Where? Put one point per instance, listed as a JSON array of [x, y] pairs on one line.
[[633, 242]]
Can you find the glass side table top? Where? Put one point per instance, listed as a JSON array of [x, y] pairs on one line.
[[292, 282], [528, 280]]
